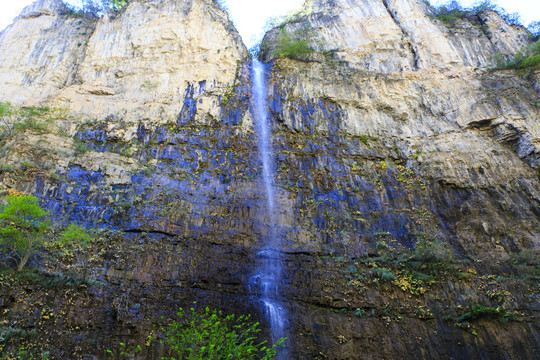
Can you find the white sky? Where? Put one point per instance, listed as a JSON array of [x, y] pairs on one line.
[[250, 16]]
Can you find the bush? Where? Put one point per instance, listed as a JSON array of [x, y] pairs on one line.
[[207, 335], [23, 224], [289, 46], [383, 274], [527, 58], [74, 236], [210, 335], [432, 251]]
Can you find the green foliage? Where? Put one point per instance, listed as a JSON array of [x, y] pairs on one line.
[[480, 311], [75, 237], [13, 119], [432, 251], [383, 274], [31, 124], [5, 109], [79, 146], [452, 11], [31, 352], [293, 46], [534, 28], [23, 225], [209, 335], [116, 5], [526, 59], [206, 335]]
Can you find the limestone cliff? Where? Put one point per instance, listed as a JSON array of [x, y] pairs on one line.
[[40, 52], [139, 64], [399, 35], [406, 178]]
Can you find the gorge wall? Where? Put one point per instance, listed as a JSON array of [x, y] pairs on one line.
[[407, 182]]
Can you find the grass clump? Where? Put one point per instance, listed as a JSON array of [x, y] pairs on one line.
[[432, 251], [383, 274]]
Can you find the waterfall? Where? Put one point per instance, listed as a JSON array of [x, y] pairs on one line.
[[269, 262]]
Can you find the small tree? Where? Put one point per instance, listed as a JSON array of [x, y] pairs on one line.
[[22, 225]]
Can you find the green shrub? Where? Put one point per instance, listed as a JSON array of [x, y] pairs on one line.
[[481, 311], [31, 123], [117, 5], [293, 46], [27, 165], [432, 251], [528, 58], [23, 224], [207, 334], [5, 109], [450, 12], [74, 237], [25, 353], [79, 146], [383, 274]]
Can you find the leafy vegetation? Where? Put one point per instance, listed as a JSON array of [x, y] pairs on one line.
[[23, 352], [452, 11], [526, 59], [39, 119], [293, 45], [23, 224], [74, 237], [207, 335], [480, 311], [95, 7]]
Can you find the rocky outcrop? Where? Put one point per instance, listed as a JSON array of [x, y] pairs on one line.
[[142, 63], [398, 35], [155, 56], [40, 52]]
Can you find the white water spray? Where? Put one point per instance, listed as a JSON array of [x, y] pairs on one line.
[[268, 276]]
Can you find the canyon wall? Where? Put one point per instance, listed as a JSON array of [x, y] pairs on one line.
[[406, 177]]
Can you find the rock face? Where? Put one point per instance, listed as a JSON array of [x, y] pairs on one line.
[[406, 182], [40, 52], [142, 63], [400, 35]]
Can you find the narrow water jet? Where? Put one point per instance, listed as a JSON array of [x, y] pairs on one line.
[[269, 261]]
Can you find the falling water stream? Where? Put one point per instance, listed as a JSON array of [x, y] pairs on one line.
[[269, 262]]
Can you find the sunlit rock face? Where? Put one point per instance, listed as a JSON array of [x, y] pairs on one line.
[[138, 64], [144, 62], [40, 52], [400, 35], [398, 139]]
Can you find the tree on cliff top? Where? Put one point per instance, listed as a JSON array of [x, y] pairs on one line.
[[95, 7]]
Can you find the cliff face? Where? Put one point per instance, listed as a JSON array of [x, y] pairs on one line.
[[139, 64], [40, 52], [400, 35], [406, 179]]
